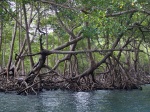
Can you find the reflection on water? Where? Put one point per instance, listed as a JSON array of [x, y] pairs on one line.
[[82, 101], [64, 101]]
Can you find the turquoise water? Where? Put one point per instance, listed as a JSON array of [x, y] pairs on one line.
[[64, 101]]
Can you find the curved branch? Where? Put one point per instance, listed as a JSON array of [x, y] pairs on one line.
[[55, 4], [127, 12], [64, 26], [69, 43], [88, 51]]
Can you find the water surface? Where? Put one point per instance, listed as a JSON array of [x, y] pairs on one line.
[[64, 101]]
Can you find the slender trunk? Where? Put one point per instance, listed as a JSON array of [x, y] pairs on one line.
[[3, 53], [148, 57], [46, 43], [27, 35], [45, 15], [11, 50], [1, 32], [21, 43], [23, 50], [92, 62], [136, 54], [91, 59], [30, 17]]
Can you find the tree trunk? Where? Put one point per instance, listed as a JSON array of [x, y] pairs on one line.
[[91, 59], [27, 35], [21, 42], [11, 50], [91, 69], [1, 32]]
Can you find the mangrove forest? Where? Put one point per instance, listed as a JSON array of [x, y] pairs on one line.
[[75, 45]]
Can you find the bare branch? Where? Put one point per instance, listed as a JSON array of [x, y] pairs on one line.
[[64, 26], [49, 52], [55, 4], [88, 51], [127, 12], [69, 43], [12, 16]]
